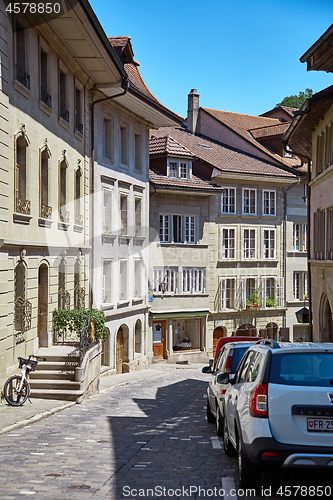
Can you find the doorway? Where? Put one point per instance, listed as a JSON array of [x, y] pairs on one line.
[[159, 339], [43, 299], [217, 334], [325, 320]]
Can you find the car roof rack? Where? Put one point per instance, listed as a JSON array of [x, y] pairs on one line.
[[270, 342]]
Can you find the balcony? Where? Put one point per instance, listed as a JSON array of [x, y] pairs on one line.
[[64, 114], [45, 212], [22, 77], [22, 206], [45, 98]]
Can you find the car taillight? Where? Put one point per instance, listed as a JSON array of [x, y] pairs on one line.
[[228, 362], [258, 402]]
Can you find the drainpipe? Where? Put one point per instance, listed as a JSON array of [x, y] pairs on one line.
[[125, 87]]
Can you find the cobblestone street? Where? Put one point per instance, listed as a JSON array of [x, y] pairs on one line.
[[146, 439]]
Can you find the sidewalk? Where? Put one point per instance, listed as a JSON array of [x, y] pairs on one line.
[[12, 418]]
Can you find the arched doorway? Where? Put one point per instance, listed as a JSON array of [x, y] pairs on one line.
[[246, 330], [138, 336], [122, 350], [325, 320], [217, 334], [43, 298], [272, 330]]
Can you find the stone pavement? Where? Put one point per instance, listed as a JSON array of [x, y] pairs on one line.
[[12, 418]]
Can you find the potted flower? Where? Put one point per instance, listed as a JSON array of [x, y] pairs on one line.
[[270, 302], [254, 302]]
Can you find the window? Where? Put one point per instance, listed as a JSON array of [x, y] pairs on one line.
[[78, 110], [138, 216], [138, 278], [107, 299], [228, 201], [63, 295], [180, 169], [249, 201], [138, 152], [249, 243], [300, 285], [45, 210], [329, 235], [77, 204], [63, 185], [228, 243], [228, 295], [63, 105], [124, 214], [270, 291], [269, 202], [269, 243], [165, 228], [45, 97], [165, 280], [108, 139], [190, 229], [138, 336], [324, 153], [177, 228], [305, 240], [107, 211], [319, 235], [194, 280], [299, 237], [22, 205], [124, 145], [250, 287], [123, 275], [22, 75]]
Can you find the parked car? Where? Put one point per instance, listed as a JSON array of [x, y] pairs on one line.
[[225, 340], [224, 369], [278, 409]]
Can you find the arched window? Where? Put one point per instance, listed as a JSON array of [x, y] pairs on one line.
[[22, 312], [63, 295], [22, 205], [246, 330], [138, 335], [78, 290], [45, 209], [78, 214], [63, 213]]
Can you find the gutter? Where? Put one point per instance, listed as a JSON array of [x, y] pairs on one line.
[[316, 45], [125, 86]]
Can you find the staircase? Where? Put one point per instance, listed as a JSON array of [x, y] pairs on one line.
[[55, 377]]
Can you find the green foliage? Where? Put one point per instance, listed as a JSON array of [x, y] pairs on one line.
[[296, 101], [270, 302], [254, 298], [73, 320]]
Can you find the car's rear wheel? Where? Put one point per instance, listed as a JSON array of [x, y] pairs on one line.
[[249, 474], [228, 448], [219, 422], [210, 416]]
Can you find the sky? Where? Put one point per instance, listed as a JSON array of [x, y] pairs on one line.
[[240, 55]]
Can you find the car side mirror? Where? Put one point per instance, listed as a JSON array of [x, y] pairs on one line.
[[206, 369], [232, 381], [223, 378]]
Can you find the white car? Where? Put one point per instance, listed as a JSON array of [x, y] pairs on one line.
[[278, 409]]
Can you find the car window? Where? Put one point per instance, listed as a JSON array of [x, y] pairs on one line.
[[303, 368], [223, 357], [253, 370], [242, 377], [238, 354]]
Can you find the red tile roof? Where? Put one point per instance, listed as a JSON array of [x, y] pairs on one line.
[[167, 145], [223, 158], [269, 131], [193, 184]]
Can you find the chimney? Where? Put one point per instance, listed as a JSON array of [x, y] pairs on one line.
[[192, 111]]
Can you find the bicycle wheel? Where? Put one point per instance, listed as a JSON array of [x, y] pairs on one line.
[[13, 396]]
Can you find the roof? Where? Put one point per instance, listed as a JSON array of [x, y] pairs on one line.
[[220, 156], [167, 145], [320, 55], [299, 134], [243, 126], [194, 184]]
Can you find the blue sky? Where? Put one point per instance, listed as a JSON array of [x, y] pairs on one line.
[[241, 55]]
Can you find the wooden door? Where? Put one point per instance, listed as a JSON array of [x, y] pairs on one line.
[[217, 334], [120, 351], [159, 339]]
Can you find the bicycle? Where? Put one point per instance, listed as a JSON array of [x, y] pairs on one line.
[[17, 389]]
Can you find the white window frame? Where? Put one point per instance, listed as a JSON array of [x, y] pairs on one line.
[[231, 299], [300, 285], [124, 144], [272, 255], [107, 228], [180, 163], [166, 228], [270, 192], [165, 273], [247, 251], [108, 137], [254, 190], [193, 280], [123, 287], [138, 267], [138, 215], [191, 222], [106, 262], [226, 251], [123, 229], [225, 207], [138, 152]]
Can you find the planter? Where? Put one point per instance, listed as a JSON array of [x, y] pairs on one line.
[[253, 307]]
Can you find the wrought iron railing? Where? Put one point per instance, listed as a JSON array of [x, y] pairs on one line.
[[64, 216], [79, 294], [45, 98], [23, 310], [79, 219], [64, 114], [79, 126], [22, 206], [22, 77], [45, 211], [87, 337], [64, 299]]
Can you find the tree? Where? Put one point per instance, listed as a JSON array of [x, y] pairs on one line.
[[296, 101]]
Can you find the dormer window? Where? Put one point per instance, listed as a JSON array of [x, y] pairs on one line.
[[180, 169]]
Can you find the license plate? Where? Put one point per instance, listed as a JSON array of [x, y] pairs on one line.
[[320, 424]]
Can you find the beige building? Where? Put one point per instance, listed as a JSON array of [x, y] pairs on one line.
[[310, 137]]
